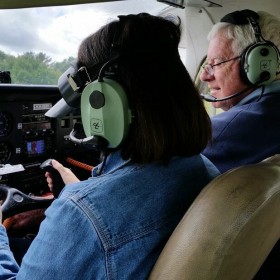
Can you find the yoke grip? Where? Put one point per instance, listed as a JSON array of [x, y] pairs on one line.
[[15, 201]]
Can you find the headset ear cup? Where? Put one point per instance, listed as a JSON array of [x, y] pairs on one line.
[[259, 63], [243, 67], [105, 111]]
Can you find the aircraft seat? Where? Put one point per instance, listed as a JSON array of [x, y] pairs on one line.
[[230, 228]]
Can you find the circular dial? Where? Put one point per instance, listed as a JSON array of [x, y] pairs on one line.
[[5, 152], [5, 124]]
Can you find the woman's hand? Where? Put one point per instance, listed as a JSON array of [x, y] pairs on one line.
[[66, 174]]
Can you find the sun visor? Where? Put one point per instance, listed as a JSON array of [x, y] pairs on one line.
[[59, 110], [70, 100]]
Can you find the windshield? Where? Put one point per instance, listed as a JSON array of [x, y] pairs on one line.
[[38, 44]]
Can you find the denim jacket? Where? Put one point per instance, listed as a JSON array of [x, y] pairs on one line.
[[113, 225]]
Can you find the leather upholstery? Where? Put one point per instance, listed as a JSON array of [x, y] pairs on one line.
[[230, 228]]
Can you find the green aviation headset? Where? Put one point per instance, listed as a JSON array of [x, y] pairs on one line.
[[105, 111], [259, 63]]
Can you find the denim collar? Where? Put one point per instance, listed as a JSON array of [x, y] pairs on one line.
[[113, 162], [259, 92]]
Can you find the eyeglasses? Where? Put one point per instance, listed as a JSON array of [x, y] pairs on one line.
[[209, 68]]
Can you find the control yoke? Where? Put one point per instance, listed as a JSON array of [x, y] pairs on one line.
[[14, 201]]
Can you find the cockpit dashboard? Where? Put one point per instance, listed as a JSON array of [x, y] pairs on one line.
[[28, 137]]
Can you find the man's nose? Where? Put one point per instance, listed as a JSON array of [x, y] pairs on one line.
[[205, 76]]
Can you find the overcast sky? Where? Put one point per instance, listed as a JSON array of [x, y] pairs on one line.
[[57, 31]]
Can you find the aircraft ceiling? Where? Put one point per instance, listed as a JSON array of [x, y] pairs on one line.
[[13, 4]]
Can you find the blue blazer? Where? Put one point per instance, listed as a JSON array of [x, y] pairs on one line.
[[249, 132]]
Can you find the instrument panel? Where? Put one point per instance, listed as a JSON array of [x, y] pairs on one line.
[[28, 137]]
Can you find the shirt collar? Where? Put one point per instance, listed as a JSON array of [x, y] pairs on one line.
[[262, 90]]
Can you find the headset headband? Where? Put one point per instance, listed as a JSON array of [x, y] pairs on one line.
[[244, 17], [240, 17]]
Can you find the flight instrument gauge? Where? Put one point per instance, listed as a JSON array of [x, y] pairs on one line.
[[5, 123], [5, 152]]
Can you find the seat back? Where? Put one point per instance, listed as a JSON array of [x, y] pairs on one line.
[[230, 228]]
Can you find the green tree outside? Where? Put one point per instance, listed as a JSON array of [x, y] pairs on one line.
[[32, 68]]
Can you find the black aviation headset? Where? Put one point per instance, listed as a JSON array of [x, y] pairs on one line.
[[259, 62]]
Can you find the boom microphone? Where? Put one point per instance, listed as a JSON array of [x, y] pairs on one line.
[[210, 98], [91, 142]]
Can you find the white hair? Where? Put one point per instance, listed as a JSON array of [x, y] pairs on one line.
[[243, 35]]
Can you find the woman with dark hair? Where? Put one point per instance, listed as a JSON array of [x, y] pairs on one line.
[[115, 224]]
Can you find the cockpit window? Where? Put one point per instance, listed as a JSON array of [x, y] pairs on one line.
[[38, 44]]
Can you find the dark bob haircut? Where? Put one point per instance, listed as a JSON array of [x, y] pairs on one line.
[[169, 115]]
